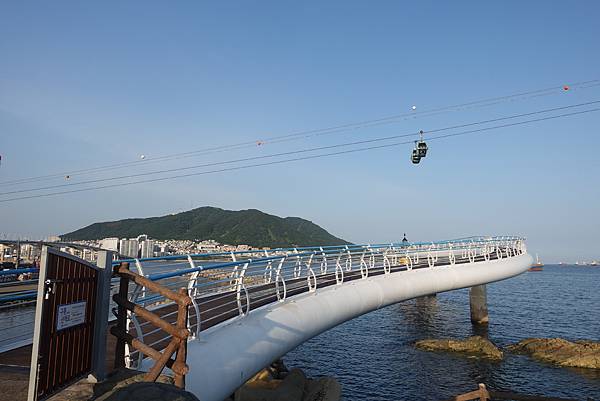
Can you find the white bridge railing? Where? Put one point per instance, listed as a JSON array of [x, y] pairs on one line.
[[228, 286]]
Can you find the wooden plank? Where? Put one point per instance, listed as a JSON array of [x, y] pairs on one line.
[[480, 394], [146, 350], [180, 333], [123, 270], [156, 370]]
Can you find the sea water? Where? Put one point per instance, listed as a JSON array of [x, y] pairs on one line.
[[374, 358]]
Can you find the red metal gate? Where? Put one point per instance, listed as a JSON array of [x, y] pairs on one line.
[[64, 327]]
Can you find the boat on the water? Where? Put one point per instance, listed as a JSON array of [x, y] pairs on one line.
[[538, 265]]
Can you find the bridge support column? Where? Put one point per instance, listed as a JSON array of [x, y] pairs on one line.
[[478, 303]]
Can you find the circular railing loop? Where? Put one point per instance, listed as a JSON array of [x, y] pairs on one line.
[[242, 287], [486, 254], [471, 255], [312, 285], [364, 269], [387, 266], [324, 265], [280, 298], [339, 274], [451, 257], [408, 262], [430, 260], [349, 263], [193, 293]]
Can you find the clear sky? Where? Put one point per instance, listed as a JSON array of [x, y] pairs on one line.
[[85, 84]]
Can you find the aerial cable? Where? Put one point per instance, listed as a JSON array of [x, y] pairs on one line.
[[309, 157], [315, 132], [288, 153], [428, 113]]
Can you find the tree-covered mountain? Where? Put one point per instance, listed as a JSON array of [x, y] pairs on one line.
[[251, 227]]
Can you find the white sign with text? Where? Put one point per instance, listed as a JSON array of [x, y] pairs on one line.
[[70, 315]]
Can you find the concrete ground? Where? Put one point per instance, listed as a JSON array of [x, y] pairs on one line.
[[14, 374]]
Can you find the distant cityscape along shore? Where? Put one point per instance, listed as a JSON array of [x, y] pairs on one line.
[[27, 254], [143, 246]]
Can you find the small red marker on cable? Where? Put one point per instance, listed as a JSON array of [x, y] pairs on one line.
[[566, 87]]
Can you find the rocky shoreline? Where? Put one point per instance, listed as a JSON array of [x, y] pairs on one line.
[[475, 346], [274, 383], [558, 351], [277, 383]]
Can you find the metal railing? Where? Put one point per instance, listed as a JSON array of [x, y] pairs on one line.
[[222, 290], [225, 286], [16, 325], [17, 307], [179, 332]]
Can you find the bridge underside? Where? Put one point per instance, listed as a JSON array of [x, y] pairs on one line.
[[232, 349]]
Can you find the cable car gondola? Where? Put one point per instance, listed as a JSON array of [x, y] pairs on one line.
[[415, 156], [420, 150]]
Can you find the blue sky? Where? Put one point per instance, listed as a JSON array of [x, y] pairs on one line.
[[83, 85]]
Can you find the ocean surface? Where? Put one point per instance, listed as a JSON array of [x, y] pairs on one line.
[[374, 358]]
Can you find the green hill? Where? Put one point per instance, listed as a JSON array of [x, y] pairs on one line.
[[251, 227]]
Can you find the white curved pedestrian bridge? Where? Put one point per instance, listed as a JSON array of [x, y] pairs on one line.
[[252, 309]]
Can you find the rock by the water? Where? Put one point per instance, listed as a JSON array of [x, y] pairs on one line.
[[578, 354], [149, 391], [123, 378], [276, 383], [323, 389], [289, 389], [85, 389], [475, 346]]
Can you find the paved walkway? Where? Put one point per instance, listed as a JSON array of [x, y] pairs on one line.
[[14, 371]]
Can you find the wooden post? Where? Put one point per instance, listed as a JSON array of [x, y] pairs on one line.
[[122, 318], [182, 318], [480, 395]]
